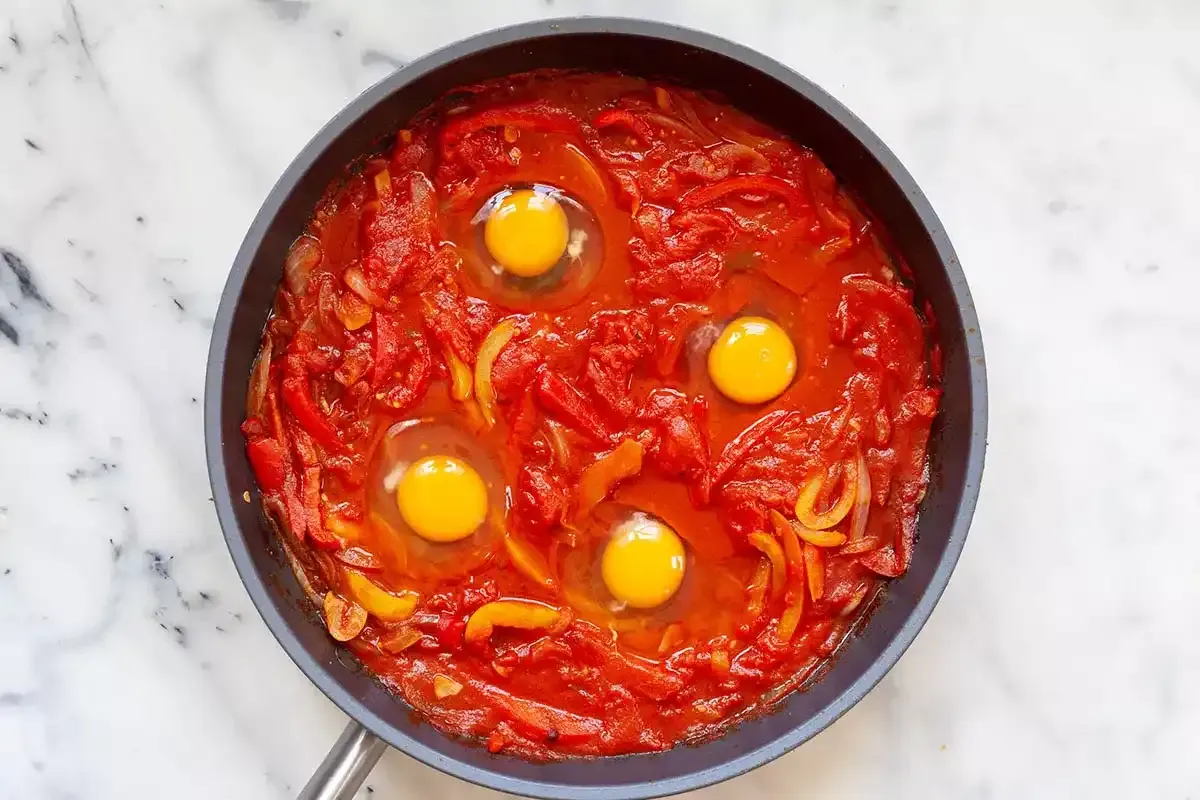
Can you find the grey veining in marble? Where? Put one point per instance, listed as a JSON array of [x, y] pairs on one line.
[[1058, 140]]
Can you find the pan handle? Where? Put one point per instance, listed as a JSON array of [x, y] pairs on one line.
[[346, 767]]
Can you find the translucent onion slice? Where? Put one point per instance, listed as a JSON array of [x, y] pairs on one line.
[[672, 637], [496, 340], [811, 490], [789, 620], [401, 640], [862, 501], [791, 544], [354, 278], [821, 538], [814, 566], [460, 376], [302, 258], [526, 614], [529, 561], [768, 546], [756, 591], [256, 392]]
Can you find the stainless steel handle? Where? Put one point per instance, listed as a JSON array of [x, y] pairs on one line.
[[346, 767]]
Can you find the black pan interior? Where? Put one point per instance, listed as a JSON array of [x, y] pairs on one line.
[[760, 87]]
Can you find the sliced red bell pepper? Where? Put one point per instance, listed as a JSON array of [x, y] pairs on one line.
[[746, 184], [539, 116], [619, 117], [539, 720], [311, 497], [564, 401], [268, 460], [298, 400], [745, 441]]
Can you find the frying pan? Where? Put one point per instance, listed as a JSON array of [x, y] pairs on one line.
[[774, 94]]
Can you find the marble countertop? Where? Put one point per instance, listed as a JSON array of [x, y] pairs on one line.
[[1062, 151]]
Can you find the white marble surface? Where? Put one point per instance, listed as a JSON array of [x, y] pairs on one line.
[[1059, 141]]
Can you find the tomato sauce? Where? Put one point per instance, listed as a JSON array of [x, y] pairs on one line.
[[585, 397]]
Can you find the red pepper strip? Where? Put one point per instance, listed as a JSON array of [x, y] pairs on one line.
[[311, 496], [745, 441], [267, 459], [565, 402], [746, 184], [538, 116], [615, 117], [296, 397], [539, 720], [386, 348]]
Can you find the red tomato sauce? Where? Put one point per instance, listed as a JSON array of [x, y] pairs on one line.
[[597, 401]]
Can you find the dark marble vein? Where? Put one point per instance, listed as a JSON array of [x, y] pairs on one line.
[[9, 332], [29, 289]]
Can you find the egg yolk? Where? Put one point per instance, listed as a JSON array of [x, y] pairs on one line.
[[643, 563], [442, 498], [752, 361], [527, 233]]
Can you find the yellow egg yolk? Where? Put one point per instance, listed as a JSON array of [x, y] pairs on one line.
[[527, 233], [752, 361], [442, 498], [643, 563]]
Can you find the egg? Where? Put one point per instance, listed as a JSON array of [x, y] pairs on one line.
[[442, 498], [643, 562], [752, 361], [527, 232], [531, 247]]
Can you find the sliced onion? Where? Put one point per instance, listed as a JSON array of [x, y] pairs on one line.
[[862, 501], [460, 376], [814, 565], [672, 637], [496, 340], [256, 392], [357, 282], [811, 490], [756, 591], [588, 169], [791, 544], [327, 315], [558, 443], [302, 258], [529, 561], [769, 547], [401, 640], [789, 620]]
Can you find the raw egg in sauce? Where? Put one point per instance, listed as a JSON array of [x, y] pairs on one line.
[[643, 562], [752, 361], [434, 492], [536, 247], [442, 498], [527, 232]]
